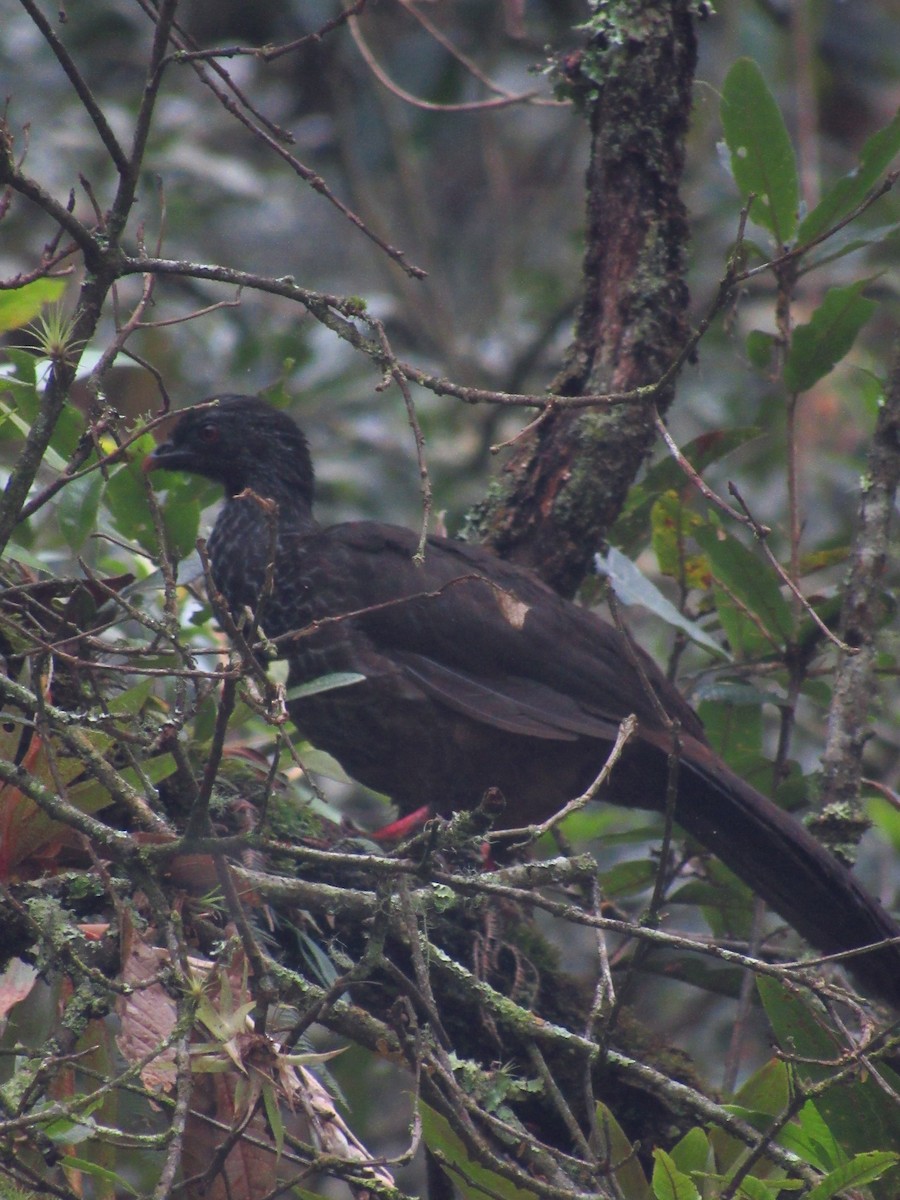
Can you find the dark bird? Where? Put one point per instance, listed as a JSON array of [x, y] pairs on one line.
[[477, 675]]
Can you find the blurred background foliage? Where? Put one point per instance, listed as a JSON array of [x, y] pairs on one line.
[[490, 203]]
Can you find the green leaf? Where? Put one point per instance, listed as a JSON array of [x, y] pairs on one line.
[[692, 1152], [26, 367], [91, 796], [129, 506], [746, 583], [886, 818], [752, 1188], [668, 1182], [67, 432], [812, 1140], [817, 347], [17, 427], [598, 821], [185, 498], [734, 729], [630, 531], [671, 521], [727, 903], [859, 1115], [132, 700], [325, 683], [863, 1169], [472, 1180], [633, 587], [876, 156], [760, 347], [681, 968], [837, 247], [21, 305], [766, 1092], [115, 1181], [628, 878], [274, 1118], [77, 508], [616, 1148], [762, 157], [126, 501]]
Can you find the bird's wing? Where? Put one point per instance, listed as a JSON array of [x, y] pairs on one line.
[[507, 702], [485, 637]]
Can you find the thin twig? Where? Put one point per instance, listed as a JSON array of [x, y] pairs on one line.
[[84, 93], [467, 106], [761, 533], [273, 141], [697, 480], [531, 833], [393, 372]]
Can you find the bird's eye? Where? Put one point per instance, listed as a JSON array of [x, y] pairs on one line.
[[208, 434]]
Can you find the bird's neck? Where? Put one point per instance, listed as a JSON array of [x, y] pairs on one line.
[[287, 503], [251, 532]]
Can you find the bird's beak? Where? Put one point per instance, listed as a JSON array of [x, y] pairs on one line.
[[167, 456], [153, 459]]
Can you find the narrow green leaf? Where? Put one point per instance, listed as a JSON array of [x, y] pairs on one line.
[[132, 700], [21, 305], [77, 508], [812, 1140], [671, 522], [617, 1149], [182, 525], [863, 1169], [836, 248], [17, 426], [186, 497], [274, 1118], [762, 157], [731, 713], [876, 156], [633, 587], [726, 902], [25, 365], [115, 1181], [749, 583], [473, 1181], [325, 683], [126, 502], [627, 878], [668, 1182], [91, 796], [817, 347], [129, 508], [886, 819]]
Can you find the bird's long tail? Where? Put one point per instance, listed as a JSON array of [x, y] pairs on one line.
[[782, 862]]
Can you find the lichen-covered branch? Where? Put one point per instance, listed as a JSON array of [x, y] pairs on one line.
[[566, 482]]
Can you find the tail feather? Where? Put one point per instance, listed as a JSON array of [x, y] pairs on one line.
[[782, 862]]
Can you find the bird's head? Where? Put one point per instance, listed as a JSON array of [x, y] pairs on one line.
[[240, 442]]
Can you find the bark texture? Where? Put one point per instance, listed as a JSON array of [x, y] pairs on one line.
[[565, 483]]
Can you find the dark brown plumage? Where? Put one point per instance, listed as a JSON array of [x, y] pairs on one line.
[[477, 675]]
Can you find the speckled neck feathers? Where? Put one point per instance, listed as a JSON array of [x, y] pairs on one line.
[[247, 536]]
